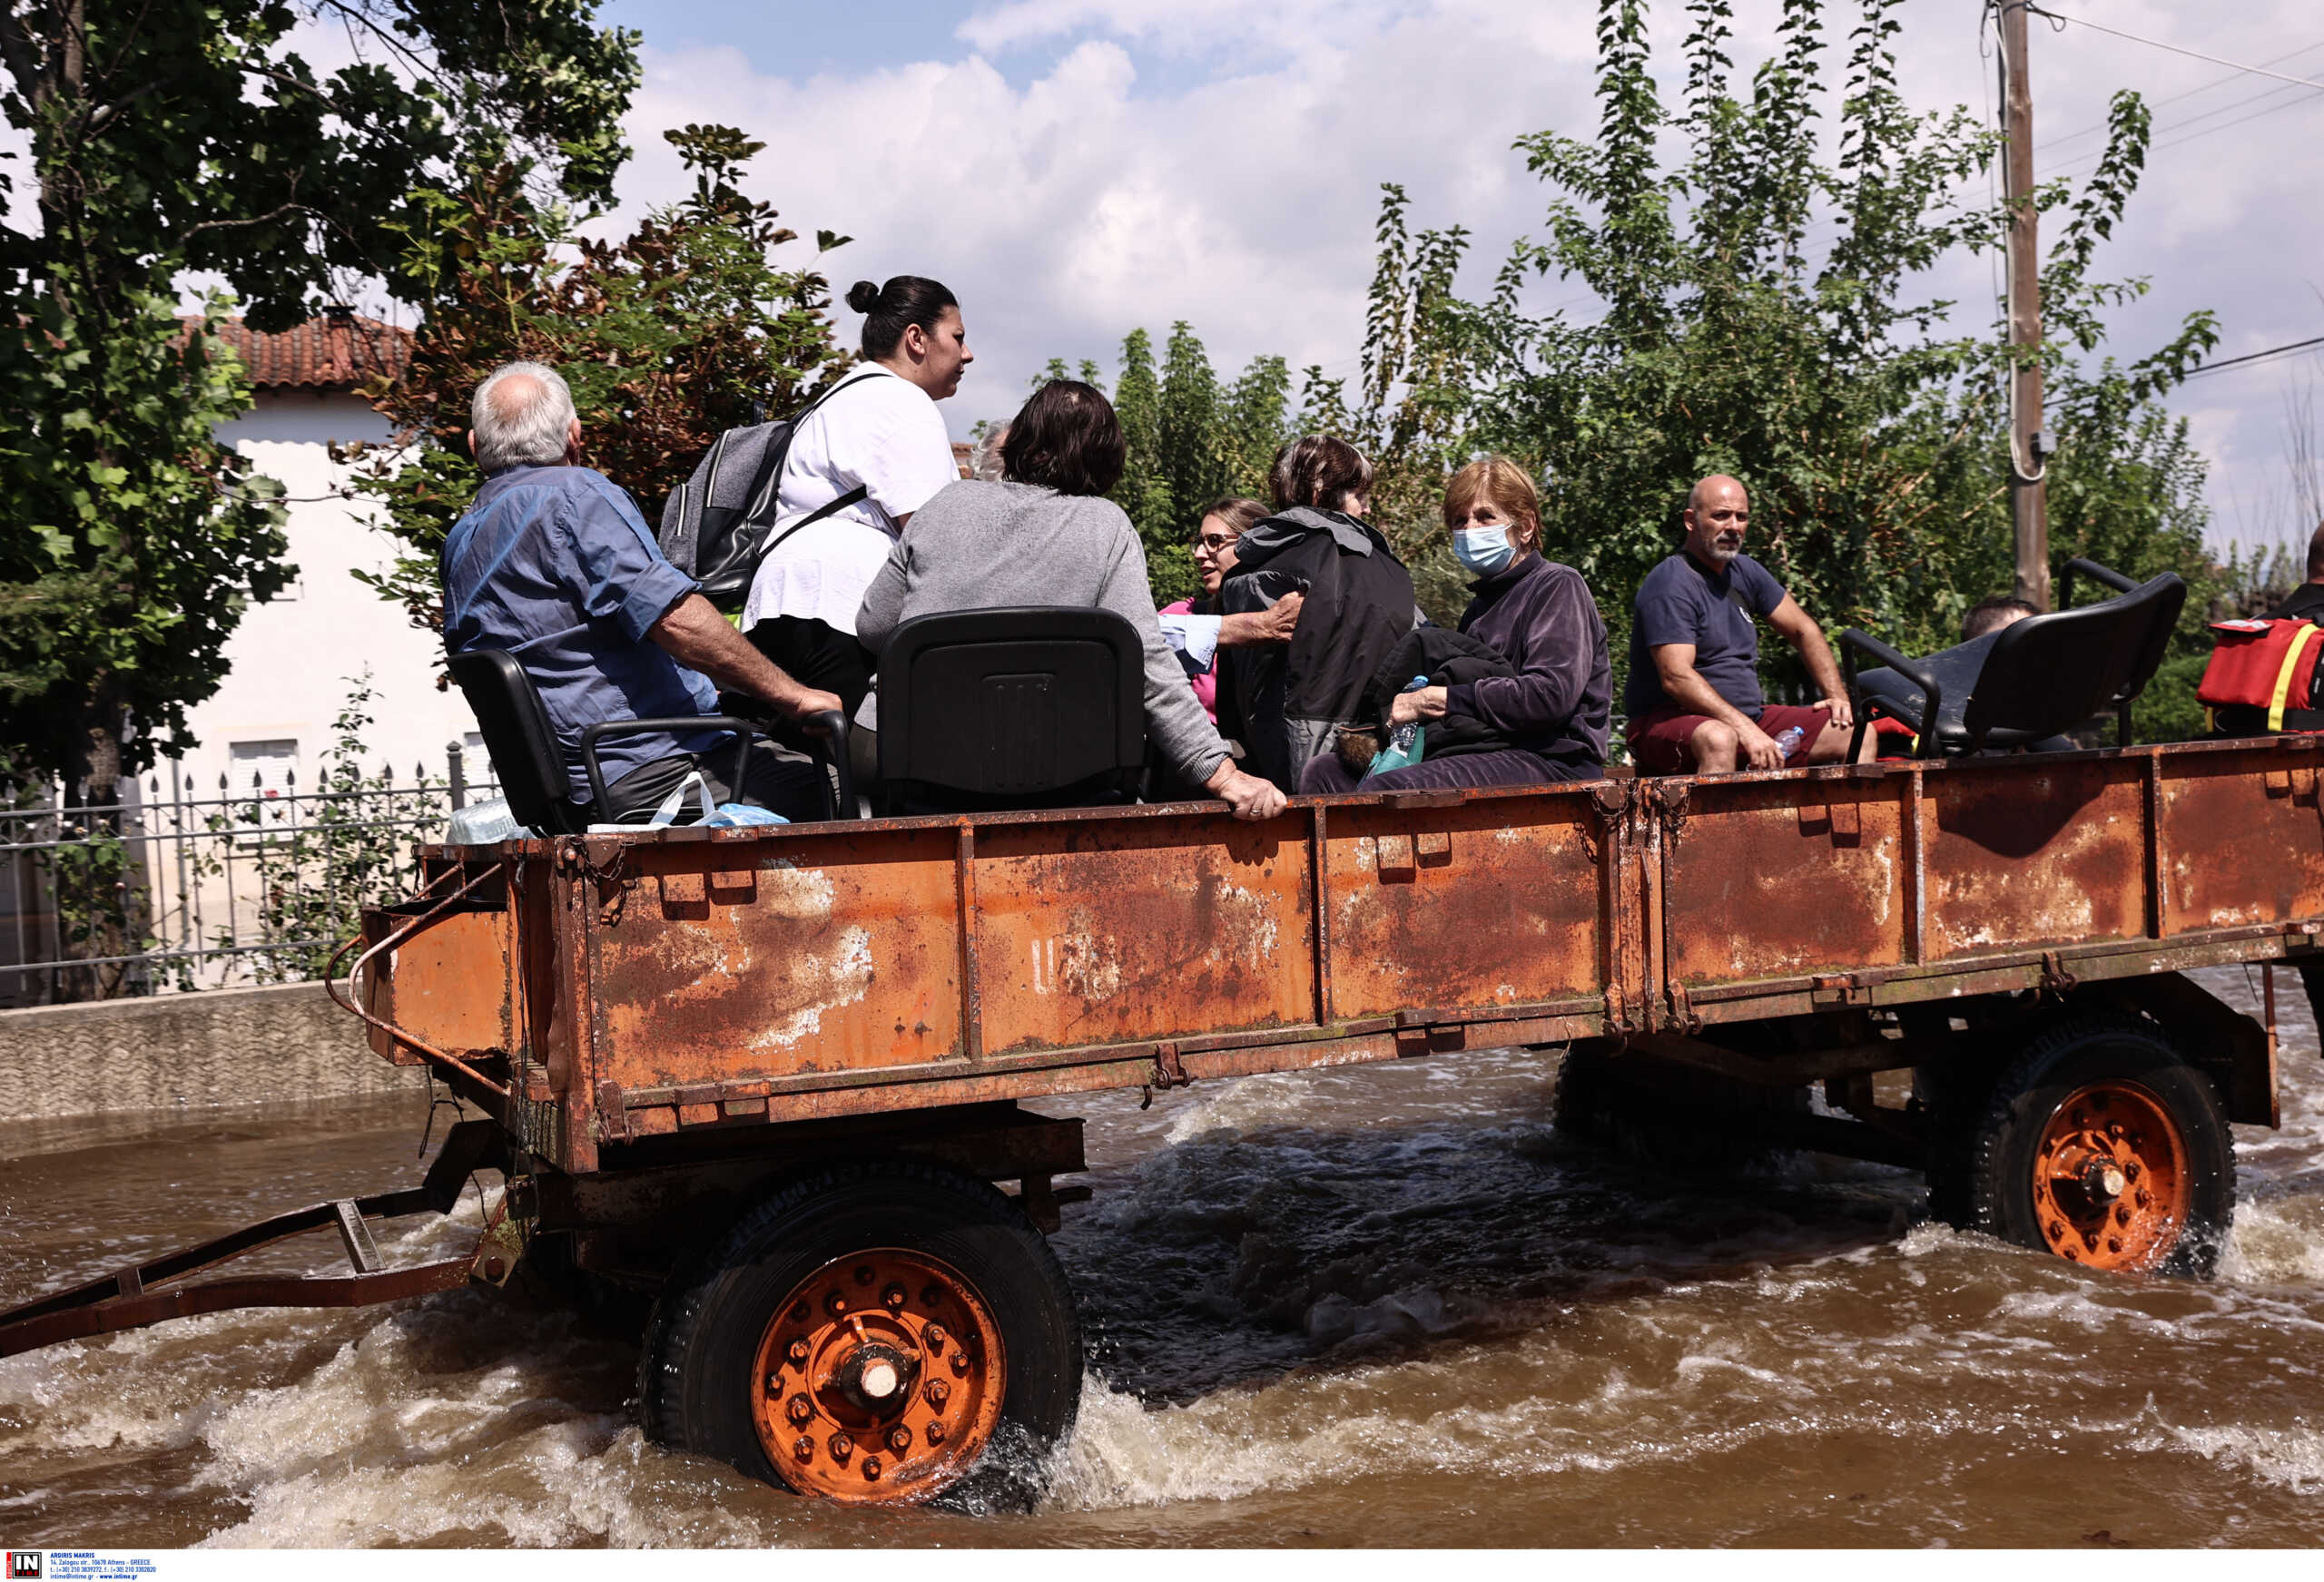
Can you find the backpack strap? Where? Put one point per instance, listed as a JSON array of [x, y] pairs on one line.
[[829, 508], [761, 494], [2283, 677]]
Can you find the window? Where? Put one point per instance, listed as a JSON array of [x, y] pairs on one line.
[[265, 769], [260, 773]]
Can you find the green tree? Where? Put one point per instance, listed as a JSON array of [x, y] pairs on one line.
[[173, 136], [686, 328], [1190, 439], [1758, 312]]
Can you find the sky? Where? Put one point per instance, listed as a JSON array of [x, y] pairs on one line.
[[1074, 169]]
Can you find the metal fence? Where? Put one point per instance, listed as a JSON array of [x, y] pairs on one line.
[[179, 885]]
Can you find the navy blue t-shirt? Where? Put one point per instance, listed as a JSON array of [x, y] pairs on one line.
[[1679, 601]]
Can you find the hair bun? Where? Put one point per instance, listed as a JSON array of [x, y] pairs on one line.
[[863, 295]]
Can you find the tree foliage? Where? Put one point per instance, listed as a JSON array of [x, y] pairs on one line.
[[687, 327], [195, 135], [1192, 438], [1762, 309]]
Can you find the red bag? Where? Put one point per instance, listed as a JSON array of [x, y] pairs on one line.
[[2269, 666]]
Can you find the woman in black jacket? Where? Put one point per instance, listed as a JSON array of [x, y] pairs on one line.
[[1284, 701], [1551, 715]]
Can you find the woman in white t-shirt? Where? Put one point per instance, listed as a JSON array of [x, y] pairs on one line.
[[878, 432]]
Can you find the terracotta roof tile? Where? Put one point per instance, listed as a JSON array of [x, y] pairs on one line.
[[329, 353]]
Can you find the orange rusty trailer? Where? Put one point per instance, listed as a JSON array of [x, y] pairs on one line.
[[764, 1077]]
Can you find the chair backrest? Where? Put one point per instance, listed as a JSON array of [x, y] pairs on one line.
[[2047, 674], [519, 736], [1028, 706]]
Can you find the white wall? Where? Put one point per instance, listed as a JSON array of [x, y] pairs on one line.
[[291, 656]]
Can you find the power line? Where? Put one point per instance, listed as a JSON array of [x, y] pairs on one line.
[[2191, 93], [2152, 148], [2034, 10], [2212, 368]]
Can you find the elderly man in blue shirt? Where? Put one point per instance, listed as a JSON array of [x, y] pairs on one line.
[[553, 563]]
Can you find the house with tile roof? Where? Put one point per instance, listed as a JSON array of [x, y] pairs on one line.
[[293, 659]]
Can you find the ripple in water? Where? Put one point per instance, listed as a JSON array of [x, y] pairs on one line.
[[1374, 1305]]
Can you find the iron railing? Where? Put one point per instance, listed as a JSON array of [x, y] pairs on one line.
[[179, 885]]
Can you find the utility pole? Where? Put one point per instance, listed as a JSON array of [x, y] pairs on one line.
[[2029, 444]]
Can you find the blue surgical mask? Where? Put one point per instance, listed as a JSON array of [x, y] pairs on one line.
[[1483, 550]]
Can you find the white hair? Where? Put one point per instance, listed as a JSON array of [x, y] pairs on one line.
[[526, 424], [984, 461]]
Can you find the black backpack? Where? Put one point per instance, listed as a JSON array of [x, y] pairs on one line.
[[715, 528]]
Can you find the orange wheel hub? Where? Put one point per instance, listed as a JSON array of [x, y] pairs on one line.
[[879, 1380], [2110, 1178]]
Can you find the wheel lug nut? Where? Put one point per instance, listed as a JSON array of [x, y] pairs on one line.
[[803, 1446], [959, 1363], [801, 1410], [2122, 1215], [930, 1295], [835, 1304], [872, 1468], [797, 1353], [2113, 1243], [900, 1439], [934, 1432], [934, 1336], [863, 1275], [938, 1392], [799, 1312], [841, 1447], [2145, 1199], [892, 1299]]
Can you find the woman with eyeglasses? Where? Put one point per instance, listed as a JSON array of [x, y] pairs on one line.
[[1194, 629]]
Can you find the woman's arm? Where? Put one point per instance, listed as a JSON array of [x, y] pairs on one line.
[[883, 601], [1275, 624], [1560, 648]]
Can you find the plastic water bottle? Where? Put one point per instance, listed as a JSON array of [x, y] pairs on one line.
[[1787, 741], [1400, 739], [1406, 742]]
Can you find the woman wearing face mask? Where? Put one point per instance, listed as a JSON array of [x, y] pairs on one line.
[[1554, 712], [879, 438]]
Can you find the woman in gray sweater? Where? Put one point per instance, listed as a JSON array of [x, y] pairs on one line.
[[1044, 535]]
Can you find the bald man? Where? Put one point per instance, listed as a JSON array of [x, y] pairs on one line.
[[1693, 698]]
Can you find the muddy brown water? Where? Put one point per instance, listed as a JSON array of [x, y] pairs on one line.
[[1379, 1305]]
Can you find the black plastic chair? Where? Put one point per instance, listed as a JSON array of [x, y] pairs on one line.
[[525, 756], [2031, 681], [1027, 707]]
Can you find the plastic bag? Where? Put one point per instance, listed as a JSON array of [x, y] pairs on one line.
[[1406, 742], [714, 816], [484, 824], [742, 816]]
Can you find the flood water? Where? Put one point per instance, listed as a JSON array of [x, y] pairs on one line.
[[1380, 1305]]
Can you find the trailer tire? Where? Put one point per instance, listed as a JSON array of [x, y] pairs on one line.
[[2100, 1144], [757, 1355]]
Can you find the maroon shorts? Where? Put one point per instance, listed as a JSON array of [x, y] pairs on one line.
[[1658, 739]]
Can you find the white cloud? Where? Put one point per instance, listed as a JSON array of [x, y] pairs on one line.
[[1114, 187]]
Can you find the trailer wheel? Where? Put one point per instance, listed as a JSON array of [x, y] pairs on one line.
[[873, 1332], [2100, 1144]]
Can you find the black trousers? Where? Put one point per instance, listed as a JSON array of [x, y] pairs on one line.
[[820, 656], [778, 784]]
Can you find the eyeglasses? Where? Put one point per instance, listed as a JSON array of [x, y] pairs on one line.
[[1214, 541]]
